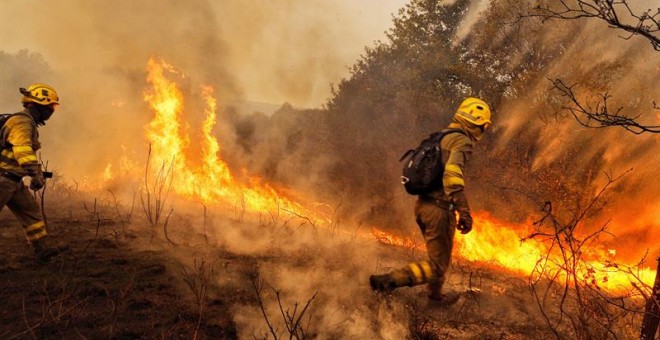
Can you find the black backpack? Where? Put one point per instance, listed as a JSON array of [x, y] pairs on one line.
[[3, 118], [423, 167]]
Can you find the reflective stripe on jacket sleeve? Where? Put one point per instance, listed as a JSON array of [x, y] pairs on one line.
[[22, 136], [459, 148]]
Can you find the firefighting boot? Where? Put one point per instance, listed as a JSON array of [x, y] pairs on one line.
[[382, 283], [42, 252]]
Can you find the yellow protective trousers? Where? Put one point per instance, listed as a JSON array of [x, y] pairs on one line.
[[438, 226], [17, 197]]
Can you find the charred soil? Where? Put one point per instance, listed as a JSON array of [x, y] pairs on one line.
[[101, 287], [231, 279]]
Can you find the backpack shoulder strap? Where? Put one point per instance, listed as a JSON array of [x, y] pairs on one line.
[[452, 130], [435, 138], [4, 117], [445, 132]]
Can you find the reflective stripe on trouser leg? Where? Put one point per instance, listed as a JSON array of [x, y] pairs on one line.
[[35, 231], [413, 274], [421, 272], [438, 228], [27, 211]]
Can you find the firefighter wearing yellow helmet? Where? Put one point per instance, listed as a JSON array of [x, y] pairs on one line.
[[18, 144], [436, 213]]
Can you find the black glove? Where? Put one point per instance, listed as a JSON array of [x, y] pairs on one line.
[[464, 222], [464, 217], [37, 181]]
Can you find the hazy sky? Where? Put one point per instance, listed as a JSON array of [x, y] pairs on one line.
[[266, 51]]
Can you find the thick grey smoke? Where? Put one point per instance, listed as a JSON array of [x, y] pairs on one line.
[[597, 62], [293, 50], [535, 145], [95, 54], [331, 267]]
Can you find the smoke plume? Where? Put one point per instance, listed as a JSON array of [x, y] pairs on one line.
[[95, 53]]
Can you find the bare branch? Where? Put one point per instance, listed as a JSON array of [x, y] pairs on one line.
[[565, 282], [198, 278], [598, 114], [257, 284], [616, 13]]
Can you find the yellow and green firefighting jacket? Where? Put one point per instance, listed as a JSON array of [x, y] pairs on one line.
[[19, 141], [456, 149]]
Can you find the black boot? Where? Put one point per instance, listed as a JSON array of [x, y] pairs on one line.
[[382, 283], [42, 252]]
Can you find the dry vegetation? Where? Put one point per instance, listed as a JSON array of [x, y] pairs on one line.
[[145, 265], [249, 277]]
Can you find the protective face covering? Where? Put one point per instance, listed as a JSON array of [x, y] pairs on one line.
[[42, 113]]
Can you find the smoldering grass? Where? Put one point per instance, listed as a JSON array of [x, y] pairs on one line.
[[297, 319]]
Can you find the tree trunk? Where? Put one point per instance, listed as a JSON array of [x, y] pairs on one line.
[[652, 312]]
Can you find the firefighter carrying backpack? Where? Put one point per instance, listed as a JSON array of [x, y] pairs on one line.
[[423, 166], [4, 117], [3, 120]]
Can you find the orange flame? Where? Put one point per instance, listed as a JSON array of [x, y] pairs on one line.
[[500, 245], [212, 181]]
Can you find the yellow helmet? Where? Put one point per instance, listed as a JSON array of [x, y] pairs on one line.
[[41, 94], [473, 111]]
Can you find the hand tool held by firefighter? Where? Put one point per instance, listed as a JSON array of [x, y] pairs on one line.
[[38, 181], [47, 174], [38, 177]]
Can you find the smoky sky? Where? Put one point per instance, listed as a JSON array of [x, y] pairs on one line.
[[261, 50], [95, 54]]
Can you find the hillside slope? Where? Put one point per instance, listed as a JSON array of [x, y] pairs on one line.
[[126, 280]]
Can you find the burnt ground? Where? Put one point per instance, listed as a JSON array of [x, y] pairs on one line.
[[101, 287], [120, 278]]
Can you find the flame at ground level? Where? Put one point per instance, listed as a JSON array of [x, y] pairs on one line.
[[173, 153], [500, 245], [193, 169]]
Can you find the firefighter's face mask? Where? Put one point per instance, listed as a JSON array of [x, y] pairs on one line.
[[45, 112]]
